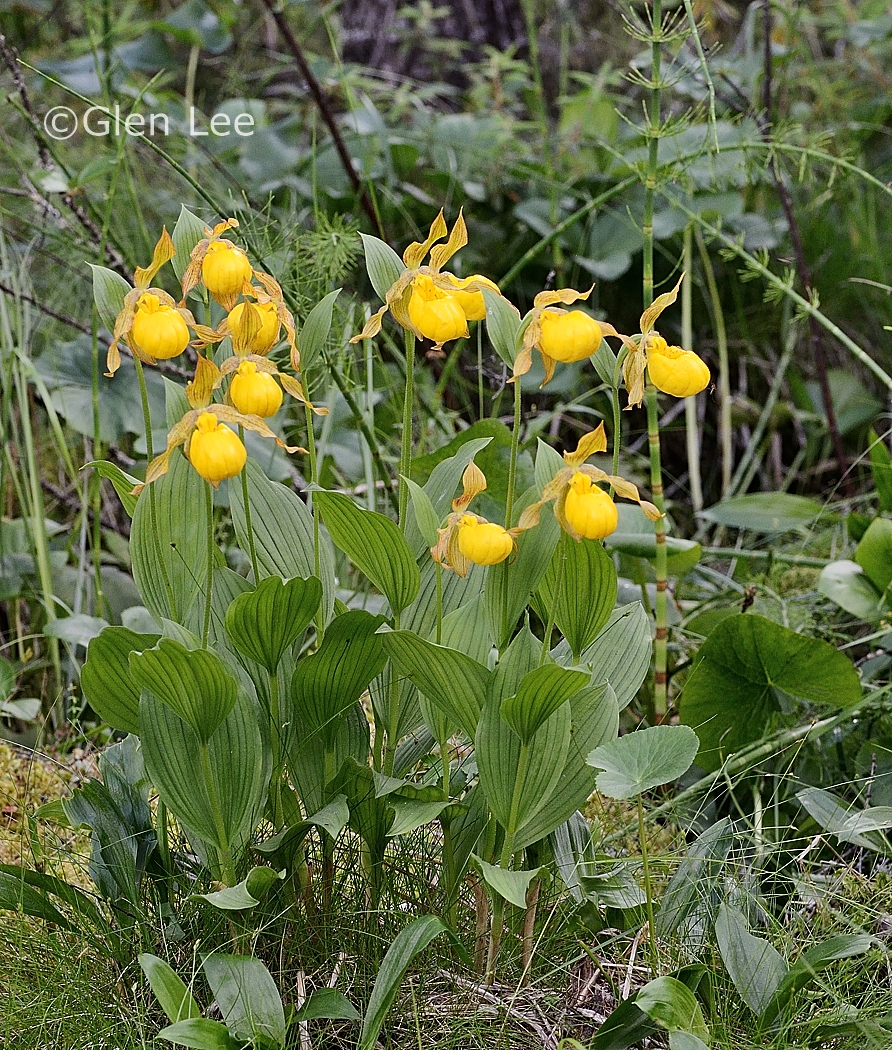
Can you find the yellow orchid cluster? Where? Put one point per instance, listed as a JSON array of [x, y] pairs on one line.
[[430, 304], [155, 328], [583, 509], [437, 305]]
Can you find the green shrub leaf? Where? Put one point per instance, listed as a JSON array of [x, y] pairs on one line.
[[262, 624]]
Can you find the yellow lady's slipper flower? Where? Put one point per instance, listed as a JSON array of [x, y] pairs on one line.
[[150, 322], [472, 303], [255, 393], [212, 455], [214, 450], [678, 372], [225, 269], [401, 294], [568, 335], [222, 265], [483, 542], [267, 335], [560, 335], [435, 313], [581, 508], [467, 539], [158, 329], [588, 509]]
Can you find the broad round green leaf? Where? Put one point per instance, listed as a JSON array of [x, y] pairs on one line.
[[200, 1033], [263, 623], [672, 1005], [729, 697], [639, 761], [192, 682], [510, 885], [107, 683], [375, 546], [755, 966]]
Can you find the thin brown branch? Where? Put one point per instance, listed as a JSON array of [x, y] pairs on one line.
[[325, 110]]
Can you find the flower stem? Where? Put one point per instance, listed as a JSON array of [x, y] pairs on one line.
[[653, 428], [248, 526], [692, 433], [393, 714], [209, 503], [406, 449], [648, 888], [150, 455], [661, 570], [225, 850], [509, 500]]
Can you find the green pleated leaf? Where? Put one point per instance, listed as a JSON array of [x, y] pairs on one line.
[[239, 771], [315, 330], [123, 483], [515, 790], [448, 678], [247, 996], [109, 291], [411, 940], [729, 697], [621, 653], [539, 695], [519, 577], [170, 991], [549, 463], [174, 532], [283, 532], [306, 759], [382, 263], [587, 590], [187, 232], [326, 685], [262, 624], [192, 682], [754, 965], [695, 881], [374, 544], [107, 683], [510, 885], [594, 720]]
